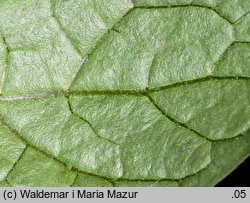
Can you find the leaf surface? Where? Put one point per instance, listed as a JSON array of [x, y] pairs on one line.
[[121, 93]]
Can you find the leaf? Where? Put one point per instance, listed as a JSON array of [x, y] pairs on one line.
[[39, 168], [120, 93], [86, 180], [224, 161], [4, 184]]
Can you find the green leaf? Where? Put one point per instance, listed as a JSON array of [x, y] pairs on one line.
[[223, 162], [34, 168], [86, 180], [10, 151], [119, 93], [4, 184], [163, 183]]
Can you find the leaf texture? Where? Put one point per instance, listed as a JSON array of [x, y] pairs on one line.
[[123, 93]]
